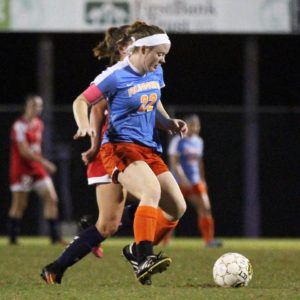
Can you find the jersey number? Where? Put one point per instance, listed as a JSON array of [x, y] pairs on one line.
[[147, 102]]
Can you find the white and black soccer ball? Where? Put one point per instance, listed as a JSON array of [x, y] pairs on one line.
[[232, 270]]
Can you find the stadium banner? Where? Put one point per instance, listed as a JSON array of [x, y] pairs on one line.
[[69, 15], [219, 16], [176, 16]]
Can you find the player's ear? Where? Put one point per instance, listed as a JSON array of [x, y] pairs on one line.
[[122, 50]]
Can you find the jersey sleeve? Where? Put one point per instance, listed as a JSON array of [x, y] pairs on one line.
[[173, 146], [104, 85], [106, 82], [201, 147], [19, 129]]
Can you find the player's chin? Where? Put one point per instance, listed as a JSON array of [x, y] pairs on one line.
[[153, 68]]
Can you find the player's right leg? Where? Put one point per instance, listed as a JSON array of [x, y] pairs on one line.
[[111, 204], [20, 187], [97, 176], [15, 215]]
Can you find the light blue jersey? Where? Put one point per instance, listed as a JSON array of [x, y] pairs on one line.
[[132, 100], [190, 152]]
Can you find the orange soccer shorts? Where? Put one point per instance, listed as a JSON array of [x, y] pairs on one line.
[[117, 156], [196, 189]]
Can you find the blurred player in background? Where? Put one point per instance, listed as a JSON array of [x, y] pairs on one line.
[[111, 208], [186, 162], [29, 171]]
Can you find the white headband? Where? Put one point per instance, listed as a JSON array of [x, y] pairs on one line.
[[152, 40]]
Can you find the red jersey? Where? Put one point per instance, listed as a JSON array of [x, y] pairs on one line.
[[31, 132], [96, 172]]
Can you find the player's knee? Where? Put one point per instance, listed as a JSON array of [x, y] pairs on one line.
[[52, 200], [181, 209], [152, 194], [108, 229], [18, 209]]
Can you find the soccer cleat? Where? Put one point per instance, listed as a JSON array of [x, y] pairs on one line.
[[51, 275], [98, 251], [214, 244], [151, 265], [131, 258]]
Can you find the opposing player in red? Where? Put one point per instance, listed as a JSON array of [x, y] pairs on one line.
[[29, 170], [114, 48]]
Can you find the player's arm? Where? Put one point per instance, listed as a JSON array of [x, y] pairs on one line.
[[164, 122], [27, 153], [178, 171], [89, 97], [80, 111], [97, 117], [202, 170]]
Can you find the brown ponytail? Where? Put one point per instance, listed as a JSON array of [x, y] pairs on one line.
[[114, 37]]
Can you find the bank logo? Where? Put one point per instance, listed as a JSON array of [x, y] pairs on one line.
[[100, 13]]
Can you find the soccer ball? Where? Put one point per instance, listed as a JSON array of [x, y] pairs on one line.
[[232, 270]]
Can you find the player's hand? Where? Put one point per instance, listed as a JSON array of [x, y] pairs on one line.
[[85, 131], [178, 126], [89, 155], [49, 166]]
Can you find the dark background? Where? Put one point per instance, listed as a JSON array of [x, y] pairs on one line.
[[205, 70]]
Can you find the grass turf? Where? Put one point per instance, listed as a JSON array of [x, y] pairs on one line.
[[275, 263]]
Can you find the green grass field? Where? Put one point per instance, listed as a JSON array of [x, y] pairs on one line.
[[276, 265]]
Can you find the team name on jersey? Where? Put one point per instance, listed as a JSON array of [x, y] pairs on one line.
[[143, 87]]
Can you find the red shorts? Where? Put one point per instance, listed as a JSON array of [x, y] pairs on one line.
[[96, 172], [196, 189], [24, 180], [118, 156]]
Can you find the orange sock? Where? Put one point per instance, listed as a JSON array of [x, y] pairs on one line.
[[164, 227], [206, 227], [144, 224]]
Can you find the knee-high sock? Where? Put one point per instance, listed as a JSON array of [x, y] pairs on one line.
[[13, 229], [144, 226], [54, 230], [164, 227], [80, 247], [128, 215], [206, 227]]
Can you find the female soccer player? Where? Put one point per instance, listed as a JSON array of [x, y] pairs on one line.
[[29, 170], [115, 38], [113, 46], [186, 161], [129, 151]]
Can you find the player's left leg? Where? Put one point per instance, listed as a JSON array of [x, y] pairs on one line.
[[205, 220], [46, 191], [171, 201], [172, 206]]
